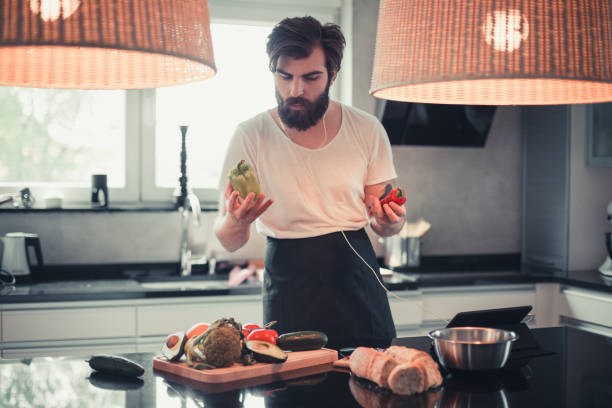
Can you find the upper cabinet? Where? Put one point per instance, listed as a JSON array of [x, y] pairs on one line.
[[599, 135]]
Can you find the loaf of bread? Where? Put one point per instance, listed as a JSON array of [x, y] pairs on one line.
[[403, 370], [423, 360], [372, 364], [407, 379]]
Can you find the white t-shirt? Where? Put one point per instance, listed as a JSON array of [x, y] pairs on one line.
[[315, 191]]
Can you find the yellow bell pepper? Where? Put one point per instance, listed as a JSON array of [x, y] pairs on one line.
[[244, 179]]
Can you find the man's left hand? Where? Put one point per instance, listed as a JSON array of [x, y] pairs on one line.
[[386, 214]]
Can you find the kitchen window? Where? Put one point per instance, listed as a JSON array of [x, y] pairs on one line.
[[242, 88], [53, 140]]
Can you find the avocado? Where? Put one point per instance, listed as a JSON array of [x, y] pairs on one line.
[[302, 340], [265, 352]]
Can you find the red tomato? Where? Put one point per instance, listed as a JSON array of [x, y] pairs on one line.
[[249, 327], [197, 329], [268, 335]]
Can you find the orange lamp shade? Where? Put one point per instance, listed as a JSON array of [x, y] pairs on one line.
[[104, 44], [494, 52]]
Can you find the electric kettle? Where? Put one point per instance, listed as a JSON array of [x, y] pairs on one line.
[[20, 252]]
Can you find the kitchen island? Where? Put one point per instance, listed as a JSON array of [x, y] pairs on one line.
[[572, 368]]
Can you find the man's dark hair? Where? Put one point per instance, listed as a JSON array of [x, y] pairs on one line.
[[296, 37]]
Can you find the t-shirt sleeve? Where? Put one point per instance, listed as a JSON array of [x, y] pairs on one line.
[[380, 167]]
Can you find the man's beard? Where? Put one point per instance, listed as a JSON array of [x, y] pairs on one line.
[[305, 118]]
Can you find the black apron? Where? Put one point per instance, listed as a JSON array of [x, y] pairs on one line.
[[319, 283]]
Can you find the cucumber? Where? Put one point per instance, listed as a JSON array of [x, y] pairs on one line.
[[115, 365], [302, 340]]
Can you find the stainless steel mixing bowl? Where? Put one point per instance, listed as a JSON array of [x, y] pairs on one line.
[[472, 348]]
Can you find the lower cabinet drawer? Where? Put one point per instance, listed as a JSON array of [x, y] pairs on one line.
[[164, 319], [62, 324], [448, 302], [587, 306]]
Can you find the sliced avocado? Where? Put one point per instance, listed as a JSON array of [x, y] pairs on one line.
[[302, 340], [266, 352]]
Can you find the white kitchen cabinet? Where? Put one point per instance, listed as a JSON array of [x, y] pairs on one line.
[[547, 299], [406, 311], [68, 323], [446, 302], [156, 321], [121, 326], [586, 309], [420, 311], [175, 314]]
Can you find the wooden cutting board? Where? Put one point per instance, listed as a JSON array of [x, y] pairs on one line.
[[296, 361]]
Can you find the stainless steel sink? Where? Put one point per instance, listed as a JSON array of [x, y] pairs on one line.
[[185, 285]]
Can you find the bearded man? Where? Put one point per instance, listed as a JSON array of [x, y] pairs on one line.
[[324, 165]]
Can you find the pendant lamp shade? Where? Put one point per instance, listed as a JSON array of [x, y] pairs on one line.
[[104, 44], [494, 52]]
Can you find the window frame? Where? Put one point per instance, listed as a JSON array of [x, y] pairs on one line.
[[140, 109]]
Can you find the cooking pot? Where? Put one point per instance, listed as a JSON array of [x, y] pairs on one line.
[[402, 251], [20, 252], [472, 348]]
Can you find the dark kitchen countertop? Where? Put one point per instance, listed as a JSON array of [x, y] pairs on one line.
[[576, 372], [163, 282]]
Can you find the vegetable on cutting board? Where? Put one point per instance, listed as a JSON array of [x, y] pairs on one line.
[[173, 347], [115, 365], [268, 335], [266, 352], [302, 340], [247, 328], [197, 329]]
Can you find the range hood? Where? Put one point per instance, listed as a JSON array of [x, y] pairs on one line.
[[426, 124]]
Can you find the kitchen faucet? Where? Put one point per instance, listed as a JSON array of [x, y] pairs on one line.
[[191, 208]]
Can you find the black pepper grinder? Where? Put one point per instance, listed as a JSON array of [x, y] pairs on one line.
[[99, 185], [180, 194]]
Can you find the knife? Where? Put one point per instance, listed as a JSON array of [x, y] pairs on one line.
[[388, 189]]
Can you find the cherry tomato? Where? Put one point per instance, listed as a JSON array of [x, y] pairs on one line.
[[268, 335], [197, 329]]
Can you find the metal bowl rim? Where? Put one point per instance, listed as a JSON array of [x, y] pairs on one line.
[[432, 335]]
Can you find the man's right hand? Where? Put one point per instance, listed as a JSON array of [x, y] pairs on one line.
[[244, 211]]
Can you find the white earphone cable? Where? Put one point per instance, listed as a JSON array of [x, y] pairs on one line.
[[385, 288]]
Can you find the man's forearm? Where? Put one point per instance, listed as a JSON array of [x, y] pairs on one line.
[[231, 234]]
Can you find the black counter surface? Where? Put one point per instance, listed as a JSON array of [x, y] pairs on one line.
[[576, 371], [82, 284]]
